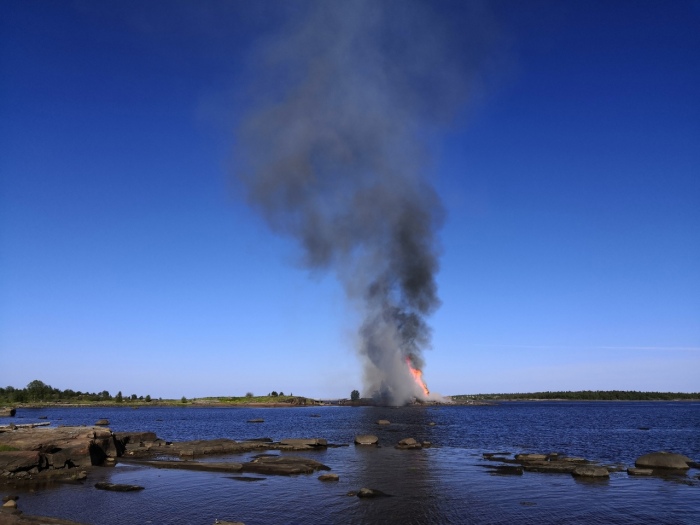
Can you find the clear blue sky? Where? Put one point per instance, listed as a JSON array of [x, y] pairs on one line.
[[130, 261]]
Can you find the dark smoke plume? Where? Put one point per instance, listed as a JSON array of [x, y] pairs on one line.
[[334, 153]]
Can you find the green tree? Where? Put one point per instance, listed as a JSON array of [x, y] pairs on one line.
[[249, 394], [183, 400], [354, 395], [274, 393], [119, 398], [148, 398]]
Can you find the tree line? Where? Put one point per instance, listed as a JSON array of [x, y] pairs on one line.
[[38, 391], [587, 395]]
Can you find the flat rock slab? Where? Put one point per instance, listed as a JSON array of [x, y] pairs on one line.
[[192, 465], [366, 439], [383, 422], [506, 470], [590, 472], [283, 465], [550, 467], [664, 460], [117, 487], [301, 444], [634, 471]]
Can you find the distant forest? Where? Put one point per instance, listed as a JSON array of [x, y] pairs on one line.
[[38, 391], [584, 395]]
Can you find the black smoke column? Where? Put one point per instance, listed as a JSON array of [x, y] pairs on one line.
[[334, 153]]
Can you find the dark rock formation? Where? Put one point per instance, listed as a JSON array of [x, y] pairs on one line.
[[283, 465], [8, 412]]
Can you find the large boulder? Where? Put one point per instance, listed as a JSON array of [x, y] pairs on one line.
[[7, 412], [663, 460], [366, 439]]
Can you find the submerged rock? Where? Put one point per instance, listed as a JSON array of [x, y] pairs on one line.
[[283, 465], [102, 422], [302, 444], [117, 487], [371, 493], [258, 420], [383, 422], [634, 471]]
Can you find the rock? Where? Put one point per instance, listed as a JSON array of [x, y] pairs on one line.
[[432, 423], [530, 457], [19, 460], [329, 477], [219, 522], [5, 499], [117, 487], [642, 428], [258, 420], [633, 471], [284, 465], [407, 444], [590, 472], [550, 467], [8, 412], [80, 476], [246, 478], [300, 444], [366, 439], [10, 504], [191, 465], [371, 493], [427, 444], [102, 422], [42, 417], [663, 460], [383, 422]]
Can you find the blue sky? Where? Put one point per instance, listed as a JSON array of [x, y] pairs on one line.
[[129, 259]]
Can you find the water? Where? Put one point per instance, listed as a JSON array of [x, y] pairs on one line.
[[440, 485]]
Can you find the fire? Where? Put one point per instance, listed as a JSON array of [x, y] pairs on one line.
[[417, 377]]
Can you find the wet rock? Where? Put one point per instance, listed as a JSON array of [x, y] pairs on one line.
[[246, 478], [427, 444], [329, 477], [550, 467], [20, 460], [408, 444], [642, 428], [590, 472], [117, 487], [383, 422], [634, 471], [10, 504], [191, 465], [283, 465], [371, 493], [301, 444], [531, 457], [366, 439], [101, 422], [258, 420], [663, 460], [8, 412], [506, 470], [432, 423]]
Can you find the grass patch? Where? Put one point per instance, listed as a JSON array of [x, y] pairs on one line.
[[7, 448]]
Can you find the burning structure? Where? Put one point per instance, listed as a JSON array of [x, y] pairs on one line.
[[333, 153]]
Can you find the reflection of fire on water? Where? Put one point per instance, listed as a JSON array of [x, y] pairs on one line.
[[417, 377]]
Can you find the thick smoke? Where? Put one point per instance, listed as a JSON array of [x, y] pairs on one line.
[[334, 151]]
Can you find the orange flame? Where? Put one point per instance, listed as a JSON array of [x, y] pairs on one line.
[[417, 377]]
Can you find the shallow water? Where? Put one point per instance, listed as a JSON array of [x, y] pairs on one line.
[[444, 484]]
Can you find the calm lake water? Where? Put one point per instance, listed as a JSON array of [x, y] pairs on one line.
[[440, 485]]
